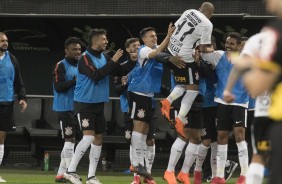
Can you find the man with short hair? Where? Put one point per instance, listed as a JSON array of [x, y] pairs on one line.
[[90, 94], [261, 123], [192, 27], [10, 83], [64, 79], [229, 116], [144, 81]]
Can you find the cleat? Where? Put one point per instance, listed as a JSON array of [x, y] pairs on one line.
[[165, 109], [169, 177], [218, 180], [140, 170], [60, 179], [73, 177], [93, 180], [209, 179], [179, 127], [241, 180], [183, 178], [2, 180], [127, 134], [197, 177], [230, 169], [136, 180]]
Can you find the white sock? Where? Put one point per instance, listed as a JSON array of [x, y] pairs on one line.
[[63, 167], [202, 153], [130, 157], [1, 152], [221, 159], [130, 154], [149, 158], [68, 151], [177, 92], [213, 158], [94, 157], [137, 142], [255, 174], [190, 156], [175, 153], [79, 151], [243, 157], [186, 104]]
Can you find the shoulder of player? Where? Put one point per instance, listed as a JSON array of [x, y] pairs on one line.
[[144, 49]]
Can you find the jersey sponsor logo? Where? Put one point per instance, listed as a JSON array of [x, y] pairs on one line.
[[195, 17], [263, 145], [141, 113], [192, 20], [68, 131], [14, 127], [85, 123], [180, 79], [175, 45]]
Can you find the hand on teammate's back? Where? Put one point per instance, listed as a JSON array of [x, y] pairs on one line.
[[177, 61]]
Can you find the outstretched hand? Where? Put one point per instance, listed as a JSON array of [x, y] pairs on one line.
[[171, 29]]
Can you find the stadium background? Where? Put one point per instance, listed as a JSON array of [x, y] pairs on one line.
[[37, 29]]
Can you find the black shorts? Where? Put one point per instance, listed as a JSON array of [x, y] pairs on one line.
[[6, 118], [230, 116], [68, 124], [195, 118], [92, 121], [140, 107], [260, 135], [187, 75], [209, 130], [152, 127]]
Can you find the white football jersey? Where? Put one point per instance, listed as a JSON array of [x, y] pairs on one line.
[[254, 48], [192, 28], [262, 105]]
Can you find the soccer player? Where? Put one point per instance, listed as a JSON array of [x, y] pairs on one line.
[[144, 81], [261, 123], [229, 116], [193, 26], [91, 92], [10, 83], [64, 79], [131, 45]]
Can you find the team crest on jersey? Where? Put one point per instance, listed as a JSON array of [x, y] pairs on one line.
[[141, 113], [204, 132], [85, 123], [197, 76], [68, 131]]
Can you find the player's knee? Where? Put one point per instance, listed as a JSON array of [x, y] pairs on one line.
[[88, 138]]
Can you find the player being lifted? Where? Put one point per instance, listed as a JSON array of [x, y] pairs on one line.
[[192, 28]]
